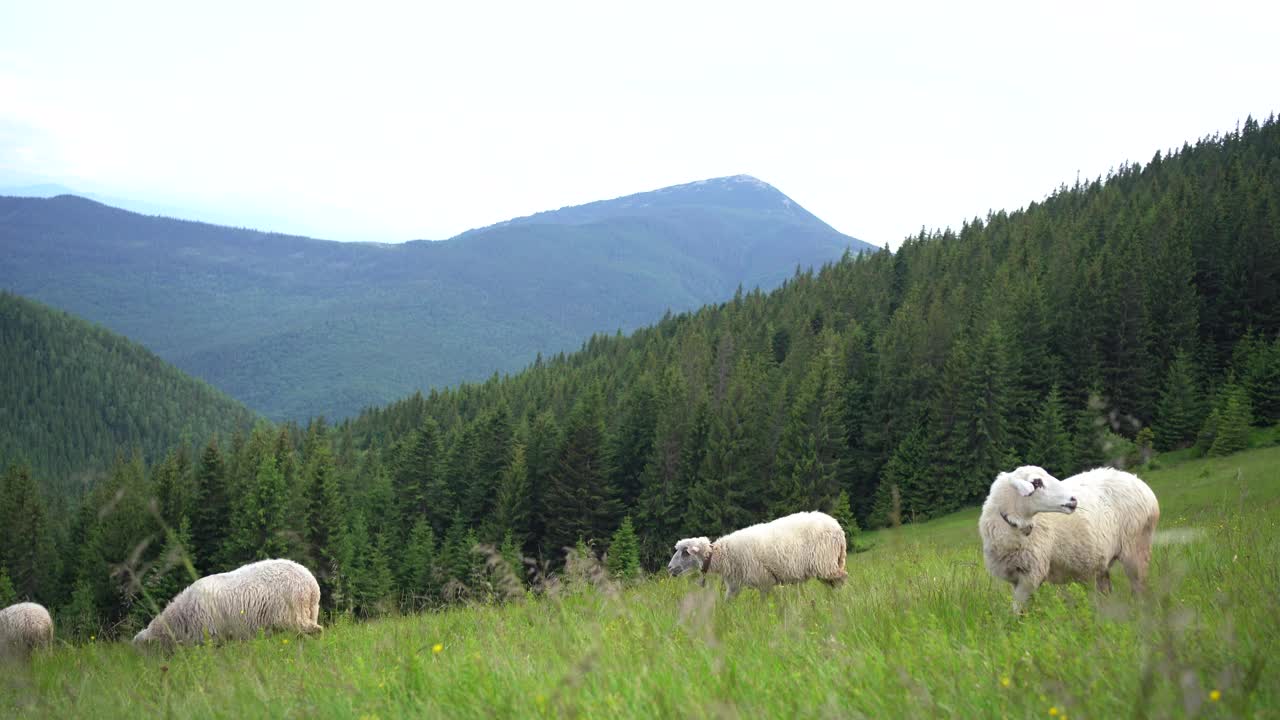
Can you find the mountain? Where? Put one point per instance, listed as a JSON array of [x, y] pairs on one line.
[[72, 395], [295, 327]]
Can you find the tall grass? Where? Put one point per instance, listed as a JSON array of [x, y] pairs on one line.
[[920, 630]]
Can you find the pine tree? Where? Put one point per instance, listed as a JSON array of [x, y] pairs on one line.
[[455, 560], [1261, 376], [580, 486], [841, 511], [661, 504], [371, 581], [418, 577], [907, 476], [1180, 411], [260, 525], [421, 489], [623, 560], [513, 512], [26, 539], [1234, 417], [1050, 444], [325, 531], [493, 457], [987, 398], [812, 454], [632, 442], [211, 513]]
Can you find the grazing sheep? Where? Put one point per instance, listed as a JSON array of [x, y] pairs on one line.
[[265, 595], [788, 550], [24, 627], [1106, 515]]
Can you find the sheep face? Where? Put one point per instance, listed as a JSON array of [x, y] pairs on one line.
[[1038, 492], [690, 554]]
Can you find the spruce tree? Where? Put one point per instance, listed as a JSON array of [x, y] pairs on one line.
[[1050, 444], [1234, 417], [1181, 409], [907, 475], [27, 538], [812, 453], [211, 514], [260, 525], [843, 514], [513, 511], [418, 577], [623, 561], [421, 488], [325, 530], [579, 486]]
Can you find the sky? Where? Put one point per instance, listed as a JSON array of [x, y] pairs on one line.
[[390, 122]]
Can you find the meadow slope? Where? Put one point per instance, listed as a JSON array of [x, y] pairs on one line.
[[920, 631]]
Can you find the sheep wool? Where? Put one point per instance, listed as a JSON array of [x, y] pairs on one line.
[[24, 627], [261, 596], [787, 550], [1038, 529]]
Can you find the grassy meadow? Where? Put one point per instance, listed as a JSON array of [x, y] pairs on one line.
[[919, 631]]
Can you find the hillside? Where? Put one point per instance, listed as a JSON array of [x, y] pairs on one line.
[[72, 395], [295, 327], [920, 630]]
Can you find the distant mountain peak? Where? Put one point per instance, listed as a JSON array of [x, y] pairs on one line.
[[731, 192]]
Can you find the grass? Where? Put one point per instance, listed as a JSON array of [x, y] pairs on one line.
[[919, 631]]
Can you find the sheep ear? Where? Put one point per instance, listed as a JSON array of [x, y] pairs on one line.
[[1024, 488]]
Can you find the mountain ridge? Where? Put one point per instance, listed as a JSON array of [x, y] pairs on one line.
[[295, 326]]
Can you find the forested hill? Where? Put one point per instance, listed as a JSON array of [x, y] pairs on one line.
[[295, 327], [73, 395], [922, 373]]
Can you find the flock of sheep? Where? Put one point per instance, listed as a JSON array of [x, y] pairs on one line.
[[1034, 528]]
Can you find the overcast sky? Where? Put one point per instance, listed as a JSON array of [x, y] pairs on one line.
[[394, 122]]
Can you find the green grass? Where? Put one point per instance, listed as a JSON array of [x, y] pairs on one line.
[[919, 631]]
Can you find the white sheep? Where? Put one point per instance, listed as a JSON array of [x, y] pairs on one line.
[[265, 595], [1085, 523], [788, 550], [24, 627]]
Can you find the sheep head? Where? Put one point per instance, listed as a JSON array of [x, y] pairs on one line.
[[1030, 490], [690, 554]]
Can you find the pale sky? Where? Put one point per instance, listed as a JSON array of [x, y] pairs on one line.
[[388, 122]]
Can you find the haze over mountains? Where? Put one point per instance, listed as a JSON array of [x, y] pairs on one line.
[[295, 327]]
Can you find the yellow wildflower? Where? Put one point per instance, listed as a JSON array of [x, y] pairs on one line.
[[1214, 696], [1053, 711], [437, 648], [284, 641], [1004, 682]]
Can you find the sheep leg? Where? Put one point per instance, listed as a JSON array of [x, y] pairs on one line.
[[731, 591], [1022, 593], [1135, 566], [1137, 558], [1104, 582]]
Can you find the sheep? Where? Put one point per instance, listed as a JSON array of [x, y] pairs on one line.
[[265, 595], [23, 628], [788, 550], [1086, 523]]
